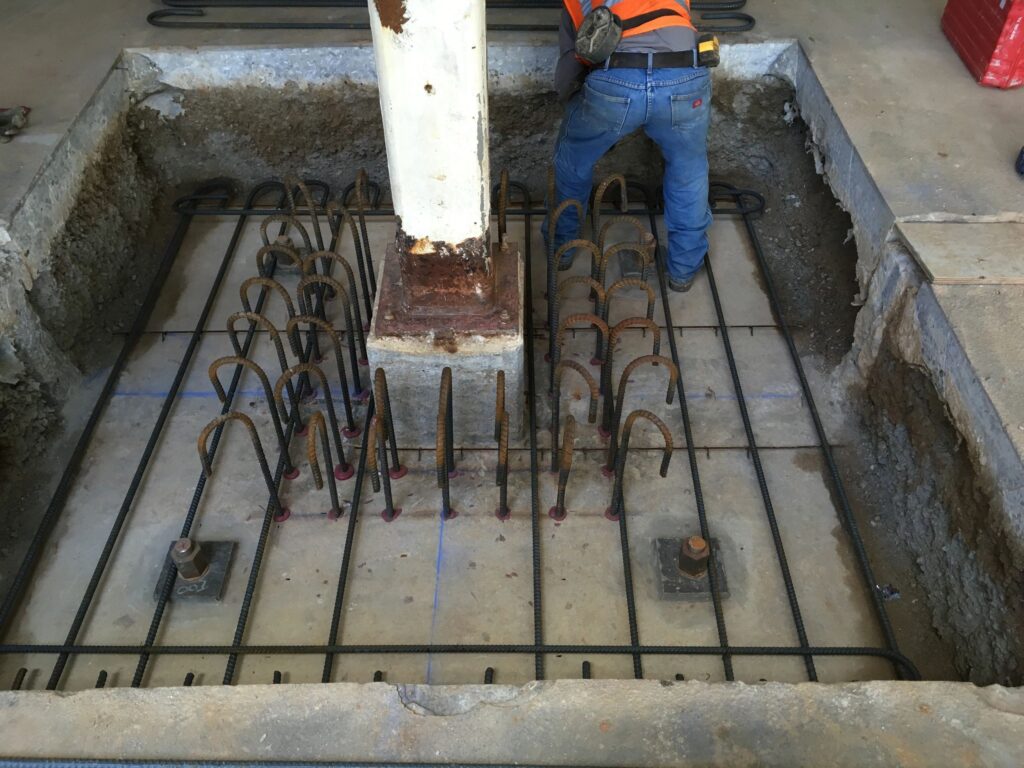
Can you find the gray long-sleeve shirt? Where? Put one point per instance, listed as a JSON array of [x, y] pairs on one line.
[[569, 72]]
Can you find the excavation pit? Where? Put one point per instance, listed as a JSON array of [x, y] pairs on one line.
[[430, 600]]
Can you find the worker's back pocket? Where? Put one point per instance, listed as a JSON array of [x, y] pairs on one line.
[[692, 107], [598, 114]]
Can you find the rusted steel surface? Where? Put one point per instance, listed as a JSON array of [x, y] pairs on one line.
[[442, 276], [446, 322], [392, 14]]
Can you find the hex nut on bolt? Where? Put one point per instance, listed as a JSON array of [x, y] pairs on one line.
[[693, 557], [190, 560]]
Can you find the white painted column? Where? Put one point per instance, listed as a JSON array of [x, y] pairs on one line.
[[431, 60]]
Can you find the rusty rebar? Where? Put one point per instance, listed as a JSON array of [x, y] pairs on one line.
[[632, 221], [444, 452], [616, 508], [361, 182], [552, 275], [642, 250], [501, 473], [269, 284], [382, 399], [622, 284], [310, 283], [654, 360], [312, 370], [255, 320], [289, 221], [300, 185], [567, 324], [608, 369], [273, 250], [558, 512], [597, 294], [282, 513], [599, 193], [290, 471], [380, 473], [351, 428], [556, 400], [499, 404], [318, 427], [336, 209], [328, 258]]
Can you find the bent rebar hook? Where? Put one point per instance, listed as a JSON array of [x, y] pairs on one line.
[[501, 474], [382, 400], [312, 370], [334, 208], [572, 320], [599, 193], [282, 512], [673, 377], [609, 364], [260, 320], [333, 257], [318, 427], [617, 508], [290, 472], [556, 399], [351, 429], [599, 296], [310, 283]]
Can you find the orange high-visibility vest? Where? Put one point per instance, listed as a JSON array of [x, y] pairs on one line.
[[632, 9]]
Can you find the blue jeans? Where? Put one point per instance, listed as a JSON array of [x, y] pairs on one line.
[[674, 108]]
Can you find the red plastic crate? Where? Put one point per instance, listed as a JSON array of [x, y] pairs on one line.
[[989, 36]]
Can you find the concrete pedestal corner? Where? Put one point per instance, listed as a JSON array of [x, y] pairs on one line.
[[414, 348]]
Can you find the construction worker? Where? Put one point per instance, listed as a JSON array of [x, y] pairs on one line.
[[651, 80]]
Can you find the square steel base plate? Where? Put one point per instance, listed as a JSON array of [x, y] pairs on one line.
[[673, 584], [211, 585]]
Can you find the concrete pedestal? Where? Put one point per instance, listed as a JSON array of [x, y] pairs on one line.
[[414, 345]]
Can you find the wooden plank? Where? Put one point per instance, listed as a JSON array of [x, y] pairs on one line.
[[967, 254]]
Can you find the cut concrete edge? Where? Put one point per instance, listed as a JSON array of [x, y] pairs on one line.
[[596, 722], [967, 253]]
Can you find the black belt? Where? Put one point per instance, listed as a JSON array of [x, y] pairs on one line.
[[675, 60]]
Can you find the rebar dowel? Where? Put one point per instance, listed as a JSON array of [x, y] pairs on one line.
[[261, 457], [327, 260], [19, 679], [762, 482], [596, 291], [273, 250], [300, 185], [608, 366], [318, 323], [600, 192], [552, 266], [630, 221], [585, 672], [556, 401], [642, 250], [499, 404], [501, 478], [615, 508], [306, 286], [308, 369], [101, 679], [383, 398], [266, 284], [622, 284], [558, 511], [570, 323], [261, 321], [290, 471], [318, 428], [286, 220], [361, 183], [850, 522], [445, 450], [378, 462], [334, 208], [673, 378], [189, 679], [489, 676]]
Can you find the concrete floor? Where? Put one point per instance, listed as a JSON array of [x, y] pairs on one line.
[[467, 580]]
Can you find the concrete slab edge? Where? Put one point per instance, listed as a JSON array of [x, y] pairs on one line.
[[595, 722]]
